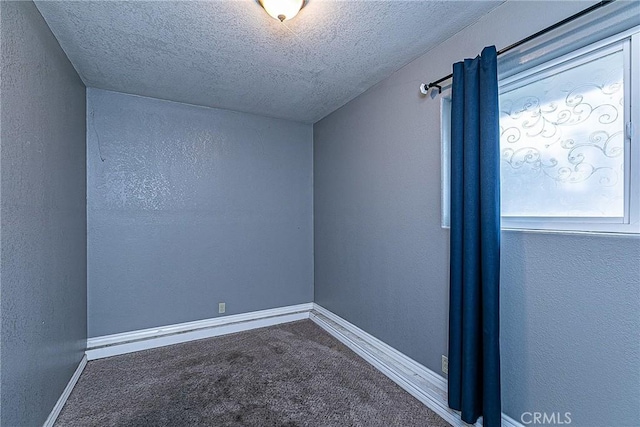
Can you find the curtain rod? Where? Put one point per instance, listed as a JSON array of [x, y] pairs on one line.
[[424, 87]]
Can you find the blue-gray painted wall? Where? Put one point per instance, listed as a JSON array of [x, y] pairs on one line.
[[570, 318], [191, 206], [42, 206]]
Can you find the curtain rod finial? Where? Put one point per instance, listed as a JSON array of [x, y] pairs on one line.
[[424, 88]]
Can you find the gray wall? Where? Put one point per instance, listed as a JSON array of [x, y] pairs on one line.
[[192, 206], [43, 256], [570, 323]]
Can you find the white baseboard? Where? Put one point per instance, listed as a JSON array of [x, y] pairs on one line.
[[51, 419], [128, 342], [422, 383], [507, 421]]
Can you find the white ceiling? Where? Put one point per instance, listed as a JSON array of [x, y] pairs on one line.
[[231, 54]]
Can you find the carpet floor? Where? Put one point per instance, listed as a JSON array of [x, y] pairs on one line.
[[293, 374]]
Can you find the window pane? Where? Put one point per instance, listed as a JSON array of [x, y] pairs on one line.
[[562, 142]]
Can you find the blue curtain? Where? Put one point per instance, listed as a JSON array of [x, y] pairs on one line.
[[474, 351]]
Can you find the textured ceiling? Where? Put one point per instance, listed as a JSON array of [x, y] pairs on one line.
[[231, 54]]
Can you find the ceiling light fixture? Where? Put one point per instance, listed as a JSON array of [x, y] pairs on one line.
[[282, 10]]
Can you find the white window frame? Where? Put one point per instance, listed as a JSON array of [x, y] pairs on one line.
[[631, 222]]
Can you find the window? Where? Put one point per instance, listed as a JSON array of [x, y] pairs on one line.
[[569, 160]]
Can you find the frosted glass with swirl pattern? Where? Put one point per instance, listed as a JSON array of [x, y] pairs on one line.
[[562, 142]]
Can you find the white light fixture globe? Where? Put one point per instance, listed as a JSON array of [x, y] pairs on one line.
[[282, 10]]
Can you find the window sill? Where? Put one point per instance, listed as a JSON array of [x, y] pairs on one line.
[[572, 232], [631, 234]]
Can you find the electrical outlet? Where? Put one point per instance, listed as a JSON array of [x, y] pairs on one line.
[[221, 307], [445, 364]]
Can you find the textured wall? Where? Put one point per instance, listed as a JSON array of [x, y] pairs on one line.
[[571, 329], [43, 256], [192, 206], [570, 323]]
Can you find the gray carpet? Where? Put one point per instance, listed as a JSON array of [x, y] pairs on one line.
[[287, 375]]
